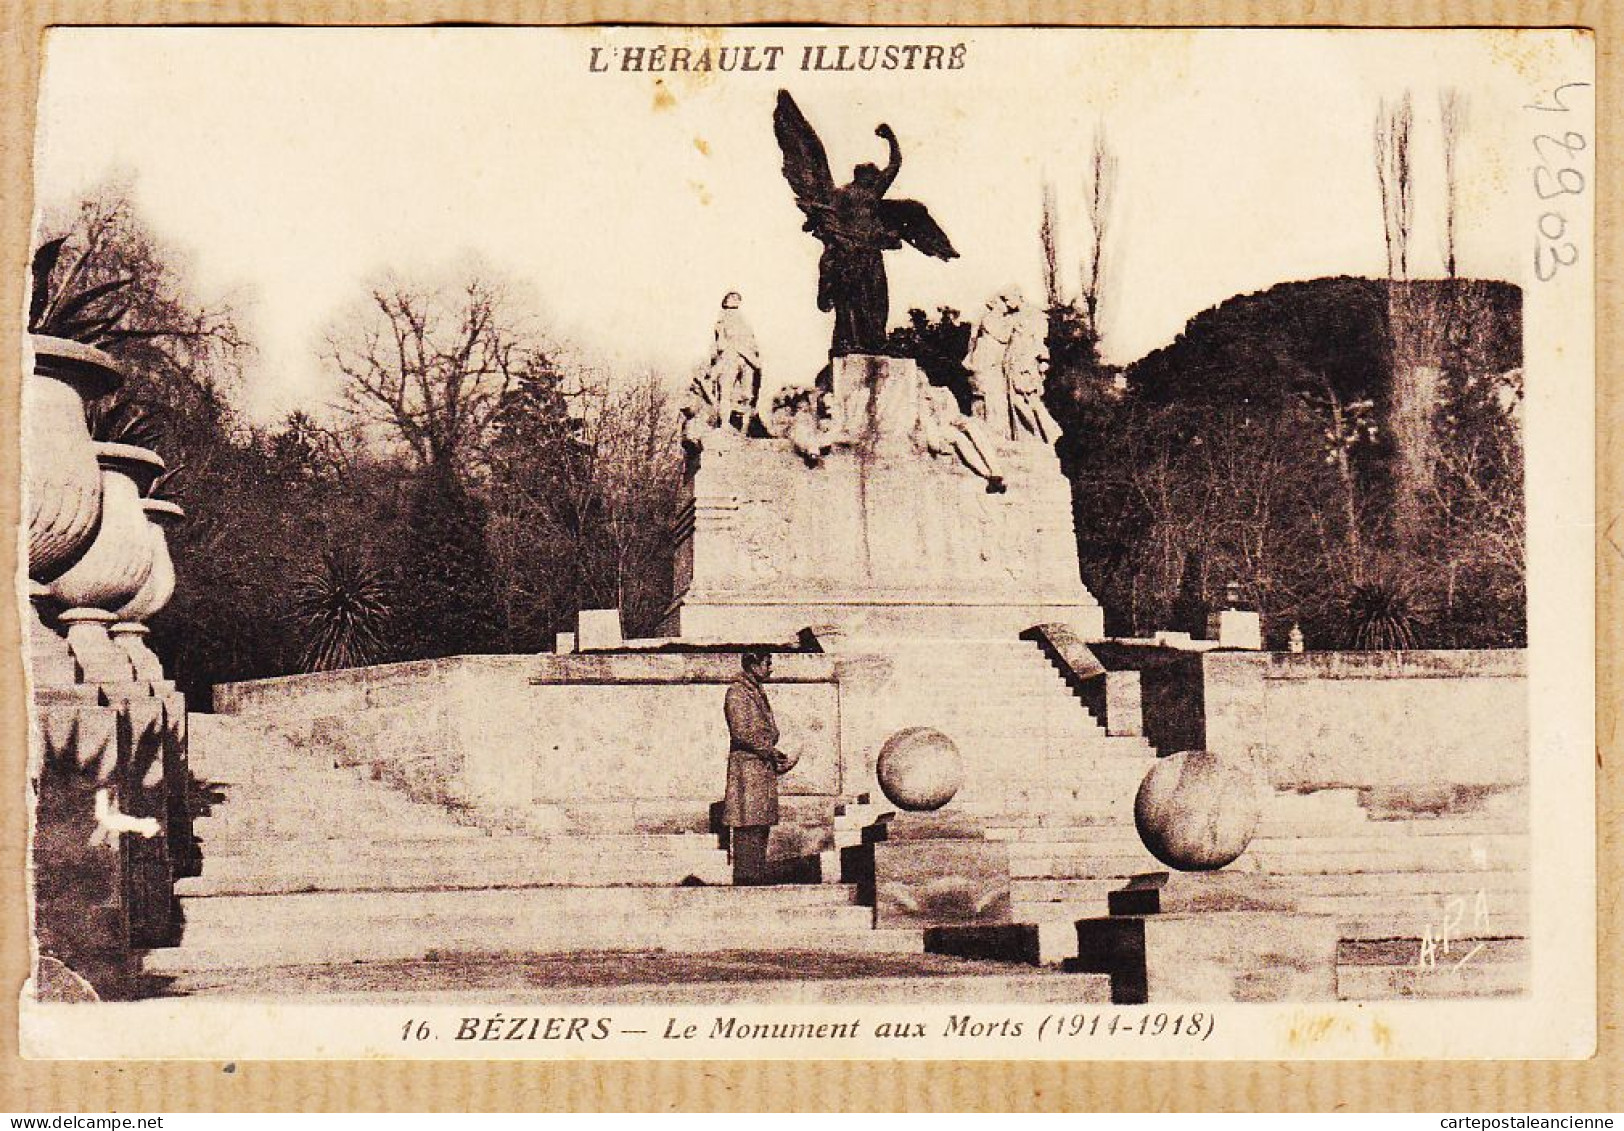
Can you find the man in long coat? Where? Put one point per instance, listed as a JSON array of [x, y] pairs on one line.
[[750, 806]]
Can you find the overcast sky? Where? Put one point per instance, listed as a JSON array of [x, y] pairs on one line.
[[291, 166]]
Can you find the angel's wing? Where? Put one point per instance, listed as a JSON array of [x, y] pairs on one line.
[[806, 165], [912, 221]]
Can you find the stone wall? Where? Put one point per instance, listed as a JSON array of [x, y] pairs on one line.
[[1372, 719], [529, 735]]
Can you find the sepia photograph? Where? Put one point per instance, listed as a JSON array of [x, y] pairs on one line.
[[760, 542]]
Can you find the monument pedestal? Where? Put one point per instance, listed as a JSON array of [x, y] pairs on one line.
[[81, 904], [930, 870], [881, 538], [1255, 949]]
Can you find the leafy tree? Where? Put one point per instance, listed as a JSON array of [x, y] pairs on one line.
[[445, 591], [939, 345], [583, 489], [1258, 438], [182, 359]]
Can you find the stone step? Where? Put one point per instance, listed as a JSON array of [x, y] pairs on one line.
[[1016, 724], [999, 773], [241, 831], [248, 931], [1358, 916], [341, 848], [1393, 969], [343, 947], [1123, 862], [996, 818], [1370, 921], [1393, 854], [790, 976], [1360, 885], [1399, 853], [1364, 826], [469, 856], [1082, 763], [1357, 806], [537, 906], [486, 848], [309, 792], [1002, 811], [678, 815], [244, 876], [1116, 834], [1044, 796], [351, 864]]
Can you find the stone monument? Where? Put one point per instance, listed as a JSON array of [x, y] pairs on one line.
[[898, 515], [874, 534]]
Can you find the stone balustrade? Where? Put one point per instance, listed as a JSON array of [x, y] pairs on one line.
[[108, 765]]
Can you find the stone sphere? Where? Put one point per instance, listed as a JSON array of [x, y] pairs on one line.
[[1197, 811], [920, 769]]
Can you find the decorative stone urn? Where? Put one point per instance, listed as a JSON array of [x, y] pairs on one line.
[[130, 632], [115, 567], [119, 561], [62, 482]]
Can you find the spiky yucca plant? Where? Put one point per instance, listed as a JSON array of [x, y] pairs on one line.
[[342, 608], [118, 419], [1379, 616], [91, 315]]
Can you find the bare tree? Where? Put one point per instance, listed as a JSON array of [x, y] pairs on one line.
[[430, 366], [1099, 189], [1412, 321], [183, 357], [1395, 178], [638, 437], [1452, 123], [1051, 254]]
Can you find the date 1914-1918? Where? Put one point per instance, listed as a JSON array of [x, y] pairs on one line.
[[1192, 1026]]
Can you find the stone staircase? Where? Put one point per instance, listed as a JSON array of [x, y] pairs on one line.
[[1426, 906], [1045, 778], [304, 863], [1031, 748], [308, 863]]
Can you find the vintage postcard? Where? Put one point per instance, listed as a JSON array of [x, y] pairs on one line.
[[810, 543]]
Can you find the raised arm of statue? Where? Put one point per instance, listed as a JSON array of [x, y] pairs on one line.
[[894, 165]]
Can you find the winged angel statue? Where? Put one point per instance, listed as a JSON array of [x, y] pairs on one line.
[[856, 226]]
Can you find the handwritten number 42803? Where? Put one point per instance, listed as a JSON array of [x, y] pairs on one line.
[[1555, 176]]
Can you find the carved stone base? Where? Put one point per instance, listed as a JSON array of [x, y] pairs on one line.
[[131, 639], [930, 870], [81, 915], [146, 795], [1211, 956], [50, 661], [875, 543], [99, 660]]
